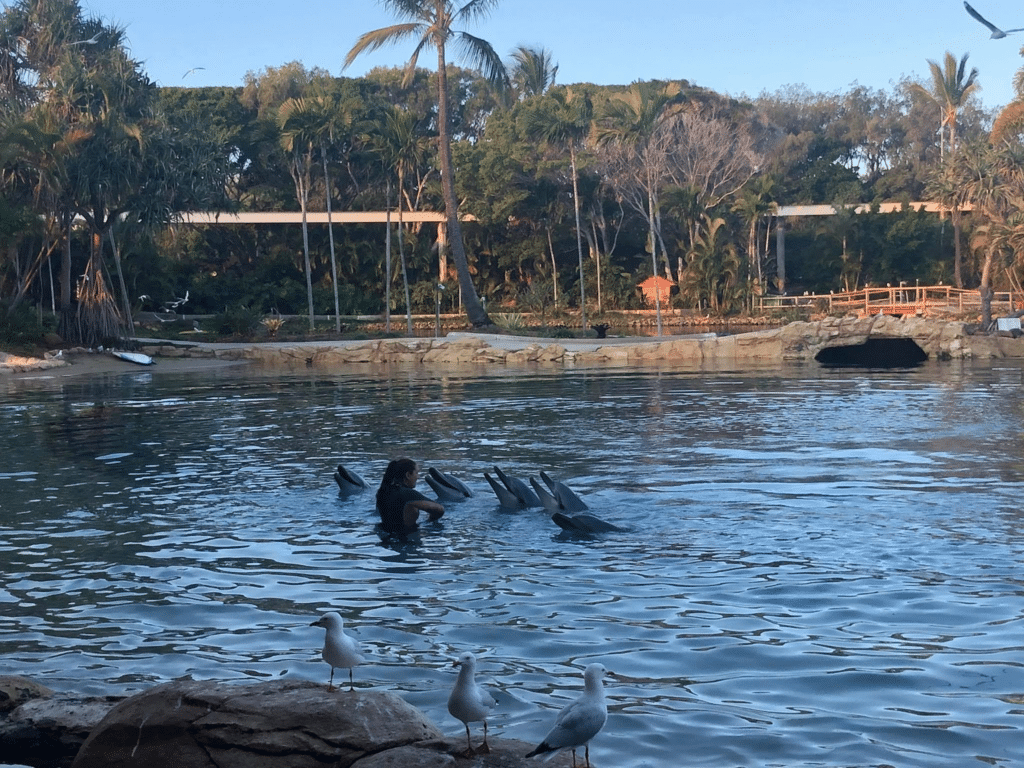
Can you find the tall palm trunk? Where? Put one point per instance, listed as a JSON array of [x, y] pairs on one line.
[[474, 310], [330, 237], [401, 257], [654, 249], [579, 233]]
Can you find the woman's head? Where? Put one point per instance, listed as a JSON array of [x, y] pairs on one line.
[[397, 472]]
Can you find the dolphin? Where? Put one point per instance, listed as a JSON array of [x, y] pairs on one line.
[[348, 481], [505, 497], [568, 501], [547, 500], [447, 487], [583, 523], [522, 491]]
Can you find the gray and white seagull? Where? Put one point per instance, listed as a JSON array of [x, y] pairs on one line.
[[996, 31]]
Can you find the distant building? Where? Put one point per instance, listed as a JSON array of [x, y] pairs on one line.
[[659, 284]]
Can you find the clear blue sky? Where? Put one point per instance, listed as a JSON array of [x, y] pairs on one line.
[[730, 46]]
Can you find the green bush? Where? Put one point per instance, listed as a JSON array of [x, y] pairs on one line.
[[237, 320]]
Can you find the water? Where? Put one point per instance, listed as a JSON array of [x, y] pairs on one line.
[[821, 568]]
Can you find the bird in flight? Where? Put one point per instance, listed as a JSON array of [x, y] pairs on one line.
[[194, 69], [996, 31], [91, 41]]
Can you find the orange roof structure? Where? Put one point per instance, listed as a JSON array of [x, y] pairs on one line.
[[659, 284]]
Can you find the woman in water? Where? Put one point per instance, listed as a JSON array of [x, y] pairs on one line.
[[398, 501]]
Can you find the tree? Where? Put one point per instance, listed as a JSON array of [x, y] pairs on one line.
[[316, 122], [431, 24], [402, 147], [566, 124], [754, 204], [299, 128], [533, 71], [951, 88], [631, 123]]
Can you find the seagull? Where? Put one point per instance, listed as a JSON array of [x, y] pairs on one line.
[[91, 41], [996, 32], [194, 69], [340, 650], [469, 702], [581, 720]]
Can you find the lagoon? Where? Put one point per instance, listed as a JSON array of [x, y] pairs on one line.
[[820, 568]]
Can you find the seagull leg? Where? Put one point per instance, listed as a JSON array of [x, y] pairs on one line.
[[469, 744], [586, 751], [485, 748], [574, 758], [351, 686], [330, 683]]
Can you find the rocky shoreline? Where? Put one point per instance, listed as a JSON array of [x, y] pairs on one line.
[[799, 341], [190, 724], [795, 342]]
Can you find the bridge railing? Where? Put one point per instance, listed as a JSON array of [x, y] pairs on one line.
[[903, 300]]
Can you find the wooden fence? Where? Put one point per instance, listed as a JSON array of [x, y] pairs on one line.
[[899, 300]]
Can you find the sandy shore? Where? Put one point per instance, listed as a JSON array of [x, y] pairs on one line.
[[98, 363]]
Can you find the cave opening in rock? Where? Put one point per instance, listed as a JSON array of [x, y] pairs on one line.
[[874, 353]]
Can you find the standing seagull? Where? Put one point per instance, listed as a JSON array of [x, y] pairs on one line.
[[469, 702], [581, 720], [996, 31], [340, 650]]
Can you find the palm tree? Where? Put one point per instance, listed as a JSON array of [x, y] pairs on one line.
[[566, 124], [533, 71], [951, 88], [431, 23], [403, 148], [299, 128], [631, 120], [326, 122], [712, 268]]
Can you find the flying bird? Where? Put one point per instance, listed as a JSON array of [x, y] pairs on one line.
[[340, 650], [996, 31], [194, 69], [581, 720], [469, 702], [91, 41]]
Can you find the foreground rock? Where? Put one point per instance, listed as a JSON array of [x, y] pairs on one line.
[[48, 732], [277, 724]]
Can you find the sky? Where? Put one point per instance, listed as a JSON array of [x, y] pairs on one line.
[[734, 47]]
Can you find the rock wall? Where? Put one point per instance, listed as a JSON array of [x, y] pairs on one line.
[[800, 341]]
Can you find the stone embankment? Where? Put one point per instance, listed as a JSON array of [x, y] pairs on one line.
[[801, 341]]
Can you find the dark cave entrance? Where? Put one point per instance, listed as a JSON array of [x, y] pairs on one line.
[[874, 353]]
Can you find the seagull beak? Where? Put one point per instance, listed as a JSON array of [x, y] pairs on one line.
[[317, 623]]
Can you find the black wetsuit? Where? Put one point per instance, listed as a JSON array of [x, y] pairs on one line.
[[391, 506]]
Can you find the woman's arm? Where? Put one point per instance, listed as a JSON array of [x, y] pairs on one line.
[[412, 509]]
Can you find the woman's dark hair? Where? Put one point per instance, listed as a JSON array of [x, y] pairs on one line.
[[394, 474]]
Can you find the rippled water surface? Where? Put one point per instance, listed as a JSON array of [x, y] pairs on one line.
[[820, 568]]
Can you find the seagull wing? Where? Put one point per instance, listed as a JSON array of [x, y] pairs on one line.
[[992, 27], [577, 724]]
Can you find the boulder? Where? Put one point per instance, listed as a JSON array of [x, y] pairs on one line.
[[186, 724], [16, 690], [48, 732]]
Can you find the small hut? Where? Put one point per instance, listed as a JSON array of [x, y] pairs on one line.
[[657, 284]]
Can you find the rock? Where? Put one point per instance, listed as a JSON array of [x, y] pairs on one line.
[[48, 732], [188, 724], [16, 690]]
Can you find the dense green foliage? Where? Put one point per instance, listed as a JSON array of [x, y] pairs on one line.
[[573, 192]]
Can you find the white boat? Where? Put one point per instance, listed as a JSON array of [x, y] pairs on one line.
[[133, 357]]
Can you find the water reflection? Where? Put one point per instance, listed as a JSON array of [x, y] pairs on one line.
[[820, 568]]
